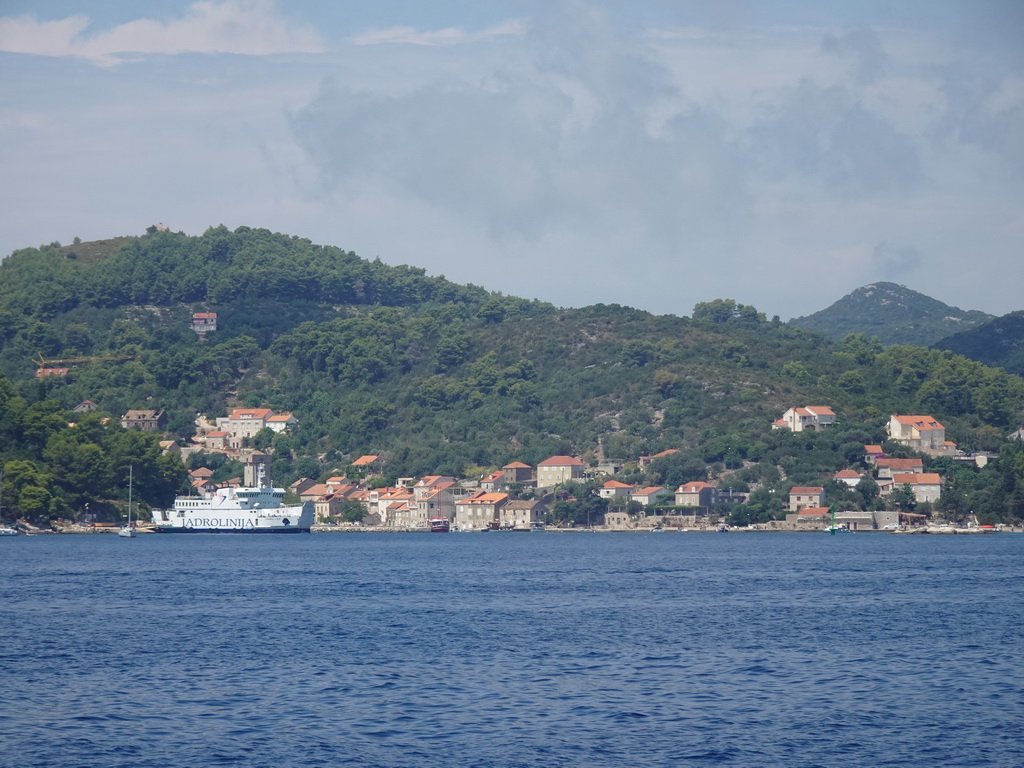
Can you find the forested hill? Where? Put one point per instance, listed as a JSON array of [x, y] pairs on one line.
[[441, 378], [999, 342], [894, 314]]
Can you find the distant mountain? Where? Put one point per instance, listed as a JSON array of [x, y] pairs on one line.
[[999, 343], [894, 314]]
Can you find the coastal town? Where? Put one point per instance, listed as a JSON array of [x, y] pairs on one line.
[[521, 497]]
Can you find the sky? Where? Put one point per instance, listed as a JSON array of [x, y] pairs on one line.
[[653, 154]]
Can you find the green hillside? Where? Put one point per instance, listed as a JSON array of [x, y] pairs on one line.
[[999, 342], [442, 378], [892, 313]]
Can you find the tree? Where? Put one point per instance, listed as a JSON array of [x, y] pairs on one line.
[[868, 490], [352, 511], [902, 497]]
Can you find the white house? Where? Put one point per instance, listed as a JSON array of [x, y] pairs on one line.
[[816, 417]]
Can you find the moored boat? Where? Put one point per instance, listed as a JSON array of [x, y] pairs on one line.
[[254, 509], [440, 525]]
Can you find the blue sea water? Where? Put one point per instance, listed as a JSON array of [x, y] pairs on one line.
[[506, 650]]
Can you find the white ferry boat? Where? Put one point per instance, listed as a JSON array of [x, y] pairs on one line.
[[257, 509]]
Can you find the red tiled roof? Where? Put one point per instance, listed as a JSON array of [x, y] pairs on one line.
[[561, 461], [695, 487], [917, 478], [814, 511], [484, 498], [250, 413], [805, 489], [899, 463], [649, 490], [920, 422]]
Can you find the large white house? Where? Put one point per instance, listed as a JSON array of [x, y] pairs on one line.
[[922, 433], [816, 417]]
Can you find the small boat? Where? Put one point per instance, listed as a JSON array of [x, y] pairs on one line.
[[657, 529], [537, 526], [128, 532], [841, 528], [440, 525]]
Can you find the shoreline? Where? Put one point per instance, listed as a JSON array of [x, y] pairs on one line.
[[79, 530]]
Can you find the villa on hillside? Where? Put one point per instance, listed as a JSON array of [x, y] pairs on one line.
[[816, 417], [922, 433], [927, 486], [613, 489], [243, 423], [145, 421]]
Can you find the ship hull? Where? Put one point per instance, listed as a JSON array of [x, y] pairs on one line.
[[183, 529]]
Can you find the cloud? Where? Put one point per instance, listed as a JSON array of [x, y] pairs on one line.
[[702, 162], [438, 37], [248, 27], [864, 47], [896, 261]]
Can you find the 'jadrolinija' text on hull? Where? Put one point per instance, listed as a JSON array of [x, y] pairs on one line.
[[235, 510]]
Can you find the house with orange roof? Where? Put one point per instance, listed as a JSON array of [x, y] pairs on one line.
[[438, 502], [522, 514], [886, 468], [301, 485], [327, 508], [493, 482], [517, 472], [384, 502], [613, 489], [927, 486], [366, 461], [430, 484], [242, 423], [314, 492], [651, 495], [216, 440], [204, 322], [479, 510], [847, 476], [810, 517], [281, 422], [922, 433], [804, 496], [645, 461], [815, 417], [873, 453], [696, 493], [404, 513], [204, 486], [557, 470]]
